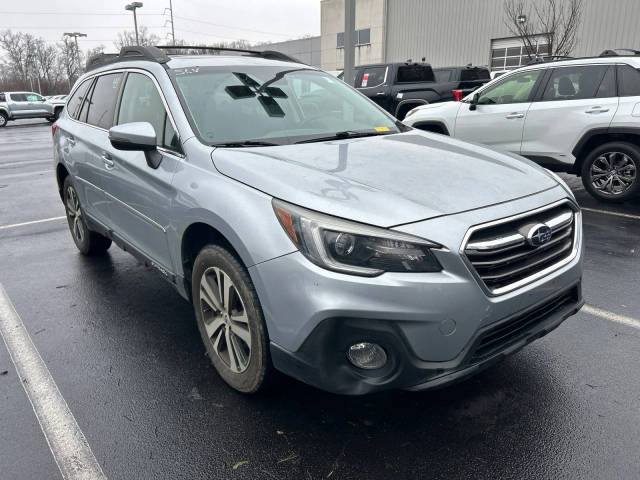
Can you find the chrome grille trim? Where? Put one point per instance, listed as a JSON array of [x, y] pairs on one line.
[[495, 258]]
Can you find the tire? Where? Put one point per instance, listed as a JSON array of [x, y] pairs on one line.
[[611, 172], [88, 242], [3, 119], [247, 370]]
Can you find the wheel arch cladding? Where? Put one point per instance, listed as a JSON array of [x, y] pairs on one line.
[[61, 174], [195, 237], [595, 138]]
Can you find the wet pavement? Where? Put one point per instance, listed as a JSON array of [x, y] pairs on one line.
[[125, 352]]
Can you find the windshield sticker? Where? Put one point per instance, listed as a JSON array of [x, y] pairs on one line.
[[381, 129], [365, 80]]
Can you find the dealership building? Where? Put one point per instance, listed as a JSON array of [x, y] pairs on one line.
[[454, 32]]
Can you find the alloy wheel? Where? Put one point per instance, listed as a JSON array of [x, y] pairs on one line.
[[74, 215], [3, 120], [613, 173], [225, 319]]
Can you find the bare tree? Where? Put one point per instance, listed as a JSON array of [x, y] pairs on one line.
[[13, 45], [68, 58], [556, 21], [128, 38]]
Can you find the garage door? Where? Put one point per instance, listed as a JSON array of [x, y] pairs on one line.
[[510, 53]]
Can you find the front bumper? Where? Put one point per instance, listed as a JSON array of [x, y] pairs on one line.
[[322, 362], [427, 322]]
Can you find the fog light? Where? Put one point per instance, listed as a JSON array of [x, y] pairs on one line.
[[367, 355]]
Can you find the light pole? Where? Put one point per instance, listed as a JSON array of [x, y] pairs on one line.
[[349, 40], [132, 7], [75, 36]]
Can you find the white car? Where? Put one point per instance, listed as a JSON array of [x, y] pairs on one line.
[[580, 116]]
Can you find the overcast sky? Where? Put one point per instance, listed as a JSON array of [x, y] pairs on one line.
[[197, 21]]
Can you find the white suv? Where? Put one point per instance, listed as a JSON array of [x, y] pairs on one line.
[[579, 116]]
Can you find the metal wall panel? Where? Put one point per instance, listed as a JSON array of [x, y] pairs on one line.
[[307, 50], [457, 32]]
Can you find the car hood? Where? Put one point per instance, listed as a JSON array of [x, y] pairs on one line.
[[385, 180]]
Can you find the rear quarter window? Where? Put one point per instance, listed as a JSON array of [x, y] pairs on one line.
[[73, 105], [474, 74], [629, 81]]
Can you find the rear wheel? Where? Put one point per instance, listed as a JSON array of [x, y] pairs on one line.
[[610, 172], [87, 241], [230, 319], [3, 119]]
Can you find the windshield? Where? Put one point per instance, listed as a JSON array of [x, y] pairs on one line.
[[270, 104]]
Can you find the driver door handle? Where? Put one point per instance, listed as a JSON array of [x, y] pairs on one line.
[[514, 115]]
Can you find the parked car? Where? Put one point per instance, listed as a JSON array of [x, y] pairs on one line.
[[399, 87], [312, 231], [58, 102], [461, 81], [580, 116], [17, 105]]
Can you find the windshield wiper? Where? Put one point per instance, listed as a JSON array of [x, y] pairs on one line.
[[342, 135], [246, 143]]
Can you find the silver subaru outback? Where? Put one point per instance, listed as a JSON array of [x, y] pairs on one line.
[[315, 234]]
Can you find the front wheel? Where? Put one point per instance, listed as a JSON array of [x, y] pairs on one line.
[[230, 319], [87, 241], [610, 172]]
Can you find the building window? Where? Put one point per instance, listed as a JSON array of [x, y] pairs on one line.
[[513, 56], [363, 37]]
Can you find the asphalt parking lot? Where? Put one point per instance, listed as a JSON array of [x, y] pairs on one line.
[[125, 353]]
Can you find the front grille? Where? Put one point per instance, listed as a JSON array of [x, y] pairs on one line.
[[504, 255], [505, 333]]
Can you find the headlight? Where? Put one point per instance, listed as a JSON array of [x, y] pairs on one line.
[[562, 183], [355, 248]]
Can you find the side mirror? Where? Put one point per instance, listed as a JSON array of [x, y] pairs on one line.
[[136, 136], [474, 101]]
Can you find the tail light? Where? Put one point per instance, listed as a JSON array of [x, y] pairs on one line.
[[457, 95], [54, 127]]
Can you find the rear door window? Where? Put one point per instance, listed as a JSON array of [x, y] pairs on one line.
[[629, 81], [415, 74], [607, 88], [574, 83], [370, 77], [103, 100], [2, 97], [18, 97], [76, 99]]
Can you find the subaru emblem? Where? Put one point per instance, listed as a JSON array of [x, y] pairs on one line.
[[539, 235]]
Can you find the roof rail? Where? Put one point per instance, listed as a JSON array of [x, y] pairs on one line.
[[614, 52], [129, 53], [548, 58], [268, 54]]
